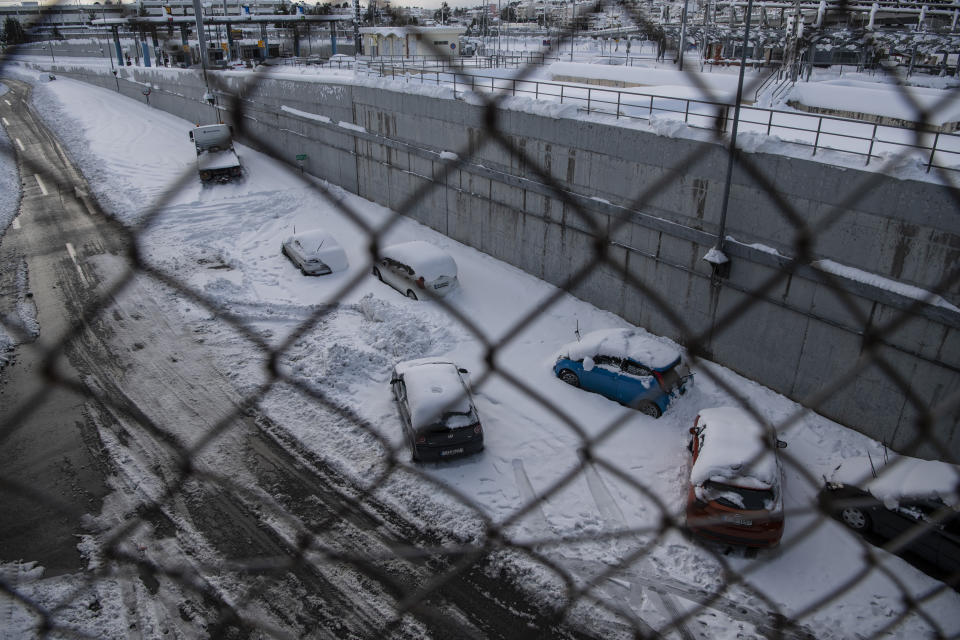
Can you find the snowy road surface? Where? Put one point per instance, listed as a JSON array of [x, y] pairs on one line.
[[608, 519], [156, 403]]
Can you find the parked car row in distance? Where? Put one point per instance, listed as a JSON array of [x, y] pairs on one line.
[[415, 269], [735, 493]]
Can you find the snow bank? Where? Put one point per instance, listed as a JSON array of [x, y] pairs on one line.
[[903, 289], [736, 450], [716, 82], [876, 99], [427, 260], [305, 114], [635, 344]]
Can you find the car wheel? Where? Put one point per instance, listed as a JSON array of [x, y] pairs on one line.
[[569, 377], [376, 272], [411, 294], [856, 519], [650, 409]]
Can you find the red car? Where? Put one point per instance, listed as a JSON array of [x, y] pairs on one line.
[[735, 496]]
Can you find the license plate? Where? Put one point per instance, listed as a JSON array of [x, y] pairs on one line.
[[738, 520], [450, 452]]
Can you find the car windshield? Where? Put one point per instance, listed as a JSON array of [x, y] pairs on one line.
[[738, 497]]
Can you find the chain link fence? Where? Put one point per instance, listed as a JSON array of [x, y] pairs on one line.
[[437, 584]]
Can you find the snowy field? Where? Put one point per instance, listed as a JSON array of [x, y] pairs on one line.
[[224, 242]]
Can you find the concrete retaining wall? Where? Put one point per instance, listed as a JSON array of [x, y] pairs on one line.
[[654, 203]]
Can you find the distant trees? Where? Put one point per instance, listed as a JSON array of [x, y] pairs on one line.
[[442, 13], [13, 32]]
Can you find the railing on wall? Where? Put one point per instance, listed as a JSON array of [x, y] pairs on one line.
[[871, 141]]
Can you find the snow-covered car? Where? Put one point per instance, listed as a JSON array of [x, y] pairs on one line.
[[416, 269], [436, 408], [735, 494], [625, 365], [903, 495], [315, 252]]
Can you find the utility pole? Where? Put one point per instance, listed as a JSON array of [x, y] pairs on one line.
[[733, 132], [683, 32], [356, 28], [794, 29]]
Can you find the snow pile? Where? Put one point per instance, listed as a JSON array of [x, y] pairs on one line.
[[351, 126], [753, 141], [668, 126], [901, 477], [714, 82], [716, 256], [359, 343], [20, 325], [84, 607], [902, 103], [449, 155], [427, 260], [9, 179], [304, 114], [903, 289], [736, 450], [635, 344]]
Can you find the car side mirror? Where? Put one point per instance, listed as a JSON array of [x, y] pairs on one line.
[[781, 444], [463, 371]]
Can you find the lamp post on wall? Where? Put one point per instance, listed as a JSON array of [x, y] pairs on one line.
[[733, 132]]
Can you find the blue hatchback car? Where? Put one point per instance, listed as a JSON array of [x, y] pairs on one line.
[[625, 365]]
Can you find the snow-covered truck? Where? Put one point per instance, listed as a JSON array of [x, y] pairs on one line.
[[216, 159]]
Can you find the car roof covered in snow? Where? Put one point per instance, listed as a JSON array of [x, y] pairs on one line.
[[737, 450], [427, 260], [901, 477], [318, 242], [434, 387], [635, 344]]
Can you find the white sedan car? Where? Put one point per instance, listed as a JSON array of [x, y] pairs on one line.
[[315, 252], [417, 269]]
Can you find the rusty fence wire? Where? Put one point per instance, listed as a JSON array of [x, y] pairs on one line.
[[443, 564]]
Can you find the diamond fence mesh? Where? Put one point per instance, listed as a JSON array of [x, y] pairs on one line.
[[433, 579]]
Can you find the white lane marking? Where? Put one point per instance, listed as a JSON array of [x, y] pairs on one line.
[[20, 144], [8, 102], [16, 223], [43, 187], [5, 122], [73, 256]]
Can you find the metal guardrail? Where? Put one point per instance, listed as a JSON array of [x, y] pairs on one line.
[[867, 140]]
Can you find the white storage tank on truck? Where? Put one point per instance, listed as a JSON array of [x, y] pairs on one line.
[[216, 159]]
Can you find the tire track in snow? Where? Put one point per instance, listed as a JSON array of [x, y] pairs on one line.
[[528, 495]]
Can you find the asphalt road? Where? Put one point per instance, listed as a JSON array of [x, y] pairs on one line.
[[49, 477], [117, 390]]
